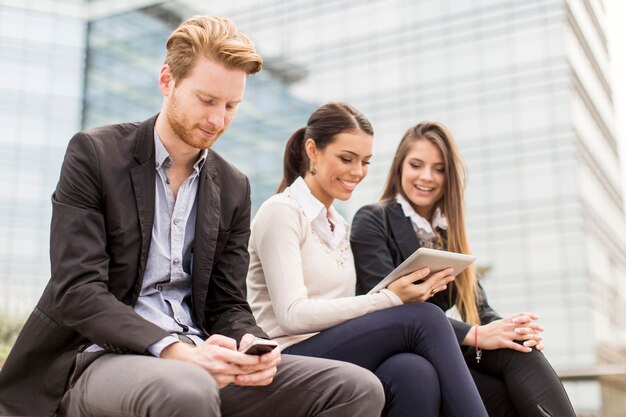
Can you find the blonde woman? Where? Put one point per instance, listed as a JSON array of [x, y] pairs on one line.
[[422, 205]]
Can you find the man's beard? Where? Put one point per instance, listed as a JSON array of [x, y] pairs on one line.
[[184, 130]]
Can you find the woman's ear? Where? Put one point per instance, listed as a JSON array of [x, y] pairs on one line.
[[311, 149]]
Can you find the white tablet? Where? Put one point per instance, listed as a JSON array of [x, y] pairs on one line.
[[435, 260]]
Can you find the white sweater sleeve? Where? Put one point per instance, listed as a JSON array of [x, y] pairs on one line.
[[279, 229]]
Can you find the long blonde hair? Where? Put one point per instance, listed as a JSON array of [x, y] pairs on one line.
[[451, 204]]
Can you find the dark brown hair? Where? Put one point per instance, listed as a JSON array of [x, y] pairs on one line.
[[327, 121]]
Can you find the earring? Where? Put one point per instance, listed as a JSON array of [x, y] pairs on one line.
[[313, 171]]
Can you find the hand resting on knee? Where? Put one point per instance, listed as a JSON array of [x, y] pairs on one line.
[[505, 333]]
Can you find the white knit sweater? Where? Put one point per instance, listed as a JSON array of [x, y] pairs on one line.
[[297, 284]]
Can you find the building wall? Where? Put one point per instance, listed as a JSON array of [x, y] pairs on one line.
[[41, 62], [601, 200]]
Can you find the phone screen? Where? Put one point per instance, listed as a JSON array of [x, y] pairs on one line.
[[260, 347]]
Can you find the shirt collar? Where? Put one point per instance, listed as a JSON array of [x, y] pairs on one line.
[[439, 220], [316, 213], [310, 205], [162, 157]]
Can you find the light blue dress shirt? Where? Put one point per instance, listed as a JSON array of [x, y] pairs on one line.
[[165, 297]]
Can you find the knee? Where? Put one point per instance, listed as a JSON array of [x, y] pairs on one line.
[[410, 382], [188, 392], [408, 367], [514, 361], [360, 385], [426, 315], [534, 360], [526, 358], [408, 370]]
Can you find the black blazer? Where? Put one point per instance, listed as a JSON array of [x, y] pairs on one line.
[[382, 237], [102, 217]]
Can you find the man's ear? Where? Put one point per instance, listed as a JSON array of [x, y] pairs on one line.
[[166, 80]]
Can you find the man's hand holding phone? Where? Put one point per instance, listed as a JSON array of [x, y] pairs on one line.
[[219, 356], [268, 355], [259, 347]]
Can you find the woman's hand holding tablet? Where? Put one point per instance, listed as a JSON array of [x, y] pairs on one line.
[[420, 285], [435, 267]]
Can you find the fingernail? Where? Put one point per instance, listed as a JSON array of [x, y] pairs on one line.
[[514, 321]]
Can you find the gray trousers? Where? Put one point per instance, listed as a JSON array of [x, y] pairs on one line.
[[144, 386]]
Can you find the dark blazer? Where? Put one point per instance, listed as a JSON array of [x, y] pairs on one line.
[[382, 237], [102, 217]]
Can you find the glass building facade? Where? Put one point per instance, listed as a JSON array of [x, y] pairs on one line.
[[41, 65], [523, 86], [125, 54]]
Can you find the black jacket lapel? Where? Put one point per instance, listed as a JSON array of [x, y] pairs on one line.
[[402, 230], [207, 227], [143, 178]]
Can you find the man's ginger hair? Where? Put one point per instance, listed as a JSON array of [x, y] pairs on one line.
[[214, 38]]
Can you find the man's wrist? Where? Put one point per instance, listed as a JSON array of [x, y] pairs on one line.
[[157, 347], [176, 350]]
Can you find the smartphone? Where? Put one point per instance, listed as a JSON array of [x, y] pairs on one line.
[[260, 347]]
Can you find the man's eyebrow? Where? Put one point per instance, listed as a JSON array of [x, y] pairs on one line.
[[206, 95]]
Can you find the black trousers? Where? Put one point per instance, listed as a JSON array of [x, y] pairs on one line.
[[517, 384], [413, 351]]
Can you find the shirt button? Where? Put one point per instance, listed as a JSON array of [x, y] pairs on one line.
[[167, 180], [176, 261], [159, 288], [176, 220]]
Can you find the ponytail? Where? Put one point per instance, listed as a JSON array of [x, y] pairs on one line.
[[295, 161], [324, 124]]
